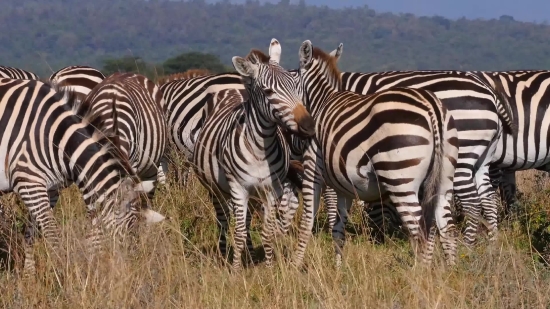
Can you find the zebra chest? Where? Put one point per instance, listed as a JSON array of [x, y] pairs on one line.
[[251, 171]]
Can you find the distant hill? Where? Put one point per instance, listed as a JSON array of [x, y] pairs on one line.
[[43, 36], [527, 10]]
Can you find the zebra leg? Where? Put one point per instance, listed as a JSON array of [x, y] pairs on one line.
[[339, 231], [508, 191], [162, 171], [330, 198], [35, 197], [408, 206], [30, 234], [249, 246], [222, 211], [375, 216], [269, 228], [466, 192], [239, 200], [444, 219], [287, 208], [488, 200], [311, 195]]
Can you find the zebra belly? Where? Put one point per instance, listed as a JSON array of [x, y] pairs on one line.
[[522, 159], [361, 183]]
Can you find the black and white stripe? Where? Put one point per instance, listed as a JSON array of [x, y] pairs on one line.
[[45, 146], [529, 147], [15, 73], [78, 78], [141, 124], [481, 115], [240, 154], [388, 146], [189, 101]]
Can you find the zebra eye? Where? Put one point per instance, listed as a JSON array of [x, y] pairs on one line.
[[269, 91]]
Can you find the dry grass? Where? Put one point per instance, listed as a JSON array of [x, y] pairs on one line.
[[173, 265]]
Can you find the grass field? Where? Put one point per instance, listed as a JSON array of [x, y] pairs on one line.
[[174, 265]]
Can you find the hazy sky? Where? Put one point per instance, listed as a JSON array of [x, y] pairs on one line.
[[524, 10]]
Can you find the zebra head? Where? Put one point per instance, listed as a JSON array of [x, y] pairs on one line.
[[274, 90], [319, 72], [128, 208]]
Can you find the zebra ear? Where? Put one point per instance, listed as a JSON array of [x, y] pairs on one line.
[[275, 51], [337, 53], [127, 192], [306, 55], [244, 67]]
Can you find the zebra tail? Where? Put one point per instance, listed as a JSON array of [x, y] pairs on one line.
[[430, 198], [295, 173], [505, 108]]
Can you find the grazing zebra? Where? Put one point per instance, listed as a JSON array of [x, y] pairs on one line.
[[385, 146], [187, 106], [239, 153], [142, 128], [46, 145], [15, 73], [81, 79], [481, 115]]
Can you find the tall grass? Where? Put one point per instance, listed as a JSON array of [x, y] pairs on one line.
[[175, 265]]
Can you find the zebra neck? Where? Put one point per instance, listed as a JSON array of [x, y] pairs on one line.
[[95, 170], [260, 133], [318, 99]]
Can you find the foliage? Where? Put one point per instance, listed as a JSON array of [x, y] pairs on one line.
[[124, 64], [193, 60], [175, 264], [45, 36]]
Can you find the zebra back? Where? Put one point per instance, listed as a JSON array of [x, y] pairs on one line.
[[15, 73], [184, 75], [80, 79], [139, 109]]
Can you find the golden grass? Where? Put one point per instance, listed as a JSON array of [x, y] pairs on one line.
[[173, 265]]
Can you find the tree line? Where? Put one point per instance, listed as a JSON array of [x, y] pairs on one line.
[[43, 36]]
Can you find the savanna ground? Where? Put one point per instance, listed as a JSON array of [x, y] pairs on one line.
[[174, 265]]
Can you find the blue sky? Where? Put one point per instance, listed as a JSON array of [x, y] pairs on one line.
[[524, 10]]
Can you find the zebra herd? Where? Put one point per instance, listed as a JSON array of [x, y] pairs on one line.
[[408, 143]]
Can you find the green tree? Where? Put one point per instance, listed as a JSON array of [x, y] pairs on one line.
[[126, 64], [194, 60]]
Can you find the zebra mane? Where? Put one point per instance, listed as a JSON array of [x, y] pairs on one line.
[[257, 56], [192, 73], [331, 63]]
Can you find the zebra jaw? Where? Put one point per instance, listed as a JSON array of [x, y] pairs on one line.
[[145, 186], [152, 216]]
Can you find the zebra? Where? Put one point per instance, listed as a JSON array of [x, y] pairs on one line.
[[481, 116], [15, 73], [82, 79], [527, 148], [188, 103], [46, 145], [384, 146], [239, 152], [142, 128]]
